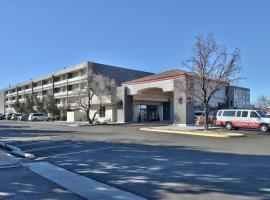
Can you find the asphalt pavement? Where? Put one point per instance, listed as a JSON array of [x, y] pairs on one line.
[[151, 165]]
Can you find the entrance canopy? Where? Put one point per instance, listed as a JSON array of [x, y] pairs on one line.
[[163, 81]]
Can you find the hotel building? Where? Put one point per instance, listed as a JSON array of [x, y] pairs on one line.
[[143, 96]]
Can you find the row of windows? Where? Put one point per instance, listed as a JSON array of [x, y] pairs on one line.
[[228, 113]]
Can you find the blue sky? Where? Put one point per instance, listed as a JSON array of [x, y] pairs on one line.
[[41, 36]]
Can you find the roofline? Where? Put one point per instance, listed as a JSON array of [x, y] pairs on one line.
[[152, 80], [66, 70], [55, 73]]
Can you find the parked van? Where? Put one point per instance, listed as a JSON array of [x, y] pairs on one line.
[[38, 117], [243, 118]]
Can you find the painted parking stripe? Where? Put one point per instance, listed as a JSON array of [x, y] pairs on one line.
[[42, 142], [80, 185], [57, 146], [73, 152]]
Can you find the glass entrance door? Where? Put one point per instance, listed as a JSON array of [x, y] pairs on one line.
[[152, 113], [148, 113]]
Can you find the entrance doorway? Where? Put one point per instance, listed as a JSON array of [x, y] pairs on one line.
[[148, 113]]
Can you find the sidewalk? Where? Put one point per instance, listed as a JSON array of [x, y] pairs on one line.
[[20, 183]]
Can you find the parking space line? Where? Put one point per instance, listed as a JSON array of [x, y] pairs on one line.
[[52, 147], [70, 153], [43, 142]]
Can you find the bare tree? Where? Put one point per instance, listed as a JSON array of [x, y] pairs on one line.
[[99, 91], [211, 69], [263, 102]]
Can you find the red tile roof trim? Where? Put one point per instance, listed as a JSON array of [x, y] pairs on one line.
[[152, 80]]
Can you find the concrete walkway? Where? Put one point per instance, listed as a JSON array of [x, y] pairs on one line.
[[83, 186]]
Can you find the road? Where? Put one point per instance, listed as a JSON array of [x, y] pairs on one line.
[[152, 165]]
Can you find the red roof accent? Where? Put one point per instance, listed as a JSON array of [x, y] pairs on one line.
[[171, 74]]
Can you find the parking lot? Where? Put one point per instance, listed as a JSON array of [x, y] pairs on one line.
[[152, 165]]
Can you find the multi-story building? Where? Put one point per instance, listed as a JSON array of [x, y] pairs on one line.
[[65, 85], [238, 97], [142, 96]]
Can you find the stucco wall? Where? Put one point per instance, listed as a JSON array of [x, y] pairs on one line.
[[119, 74]]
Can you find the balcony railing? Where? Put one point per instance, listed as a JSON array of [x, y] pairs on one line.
[[60, 94], [77, 79], [46, 86], [29, 90], [60, 82], [21, 92], [10, 101], [37, 88]]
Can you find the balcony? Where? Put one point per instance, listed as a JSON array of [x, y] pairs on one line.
[[10, 101], [14, 94], [76, 91], [21, 92], [47, 86], [29, 90], [62, 82], [58, 94], [77, 79], [37, 88]]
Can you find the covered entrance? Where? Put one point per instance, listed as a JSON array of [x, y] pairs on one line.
[[148, 113], [155, 98], [151, 105]]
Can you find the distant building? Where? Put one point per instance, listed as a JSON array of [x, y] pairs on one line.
[[238, 97]]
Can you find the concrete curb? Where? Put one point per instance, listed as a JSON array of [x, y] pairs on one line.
[[196, 133], [81, 185], [16, 151]]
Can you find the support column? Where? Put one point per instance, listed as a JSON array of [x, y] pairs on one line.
[[183, 110], [128, 106], [125, 108]]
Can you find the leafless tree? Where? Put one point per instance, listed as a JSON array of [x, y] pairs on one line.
[[210, 69], [263, 102], [99, 91]]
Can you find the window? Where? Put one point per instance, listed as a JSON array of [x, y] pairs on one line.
[[253, 114], [244, 113], [261, 113], [102, 111], [229, 113], [70, 75], [238, 113], [219, 113], [69, 88]]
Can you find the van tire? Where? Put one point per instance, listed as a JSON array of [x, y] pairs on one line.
[[264, 128], [229, 126], [34, 120]]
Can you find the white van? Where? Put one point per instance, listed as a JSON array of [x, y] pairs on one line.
[[38, 117], [243, 118]]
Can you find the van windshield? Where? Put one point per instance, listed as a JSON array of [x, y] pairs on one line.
[[261, 113]]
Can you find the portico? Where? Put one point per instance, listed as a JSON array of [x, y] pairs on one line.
[[155, 98]]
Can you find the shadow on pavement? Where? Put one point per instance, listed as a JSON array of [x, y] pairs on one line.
[[165, 172], [161, 172]]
